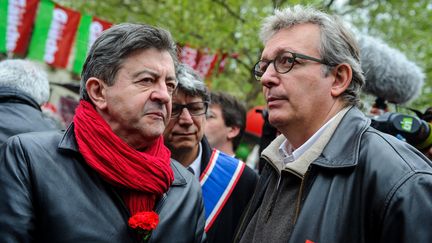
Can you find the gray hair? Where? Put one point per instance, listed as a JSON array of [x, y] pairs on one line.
[[337, 45], [114, 45], [190, 83], [26, 77]]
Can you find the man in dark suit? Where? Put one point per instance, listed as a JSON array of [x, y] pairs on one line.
[[226, 182]]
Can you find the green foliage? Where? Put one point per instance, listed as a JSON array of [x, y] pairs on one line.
[[404, 25], [232, 26]]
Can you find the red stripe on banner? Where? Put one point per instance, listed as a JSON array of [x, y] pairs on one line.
[[189, 56], [60, 36], [206, 63], [96, 29], [222, 62], [25, 19], [209, 165]]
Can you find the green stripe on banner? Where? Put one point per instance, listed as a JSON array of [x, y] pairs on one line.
[[3, 24], [81, 43], [40, 32]]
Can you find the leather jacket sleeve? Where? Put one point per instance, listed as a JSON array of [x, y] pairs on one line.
[[409, 207], [16, 208]]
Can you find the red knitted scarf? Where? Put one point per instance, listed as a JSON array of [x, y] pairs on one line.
[[143, 176]]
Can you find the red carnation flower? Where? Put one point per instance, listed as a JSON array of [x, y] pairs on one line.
[[144, 223]]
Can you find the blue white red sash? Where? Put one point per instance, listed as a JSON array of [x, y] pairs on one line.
[[217, 182]]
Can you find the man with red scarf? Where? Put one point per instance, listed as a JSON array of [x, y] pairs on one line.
[[84, 184]]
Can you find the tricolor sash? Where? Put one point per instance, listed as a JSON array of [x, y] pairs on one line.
[[217, 182]]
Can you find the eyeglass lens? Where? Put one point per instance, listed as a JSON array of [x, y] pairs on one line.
[[283, 63], [195, 108]]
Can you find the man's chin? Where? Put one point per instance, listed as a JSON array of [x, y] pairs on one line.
[[277, 121]]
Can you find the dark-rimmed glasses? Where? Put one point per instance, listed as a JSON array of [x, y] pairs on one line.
[[194, 109], [283, 63]]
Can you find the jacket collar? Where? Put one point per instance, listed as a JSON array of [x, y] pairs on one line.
[[68, 142], [206, 153], [13, 95], [343, 148]]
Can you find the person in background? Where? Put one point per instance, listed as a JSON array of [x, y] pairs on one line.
[[226, 122], [24, 87], [109, 173], [329, 176], [227, 183], [379, 107]]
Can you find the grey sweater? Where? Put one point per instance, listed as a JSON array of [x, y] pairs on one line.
[[275, 218]]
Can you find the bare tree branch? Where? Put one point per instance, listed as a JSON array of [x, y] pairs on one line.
[[227, 8], [329, 4]]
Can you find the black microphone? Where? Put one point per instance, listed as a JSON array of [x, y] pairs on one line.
[[389, 74]]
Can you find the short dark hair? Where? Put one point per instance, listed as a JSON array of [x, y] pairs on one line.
[[115, 44], [233, 113]]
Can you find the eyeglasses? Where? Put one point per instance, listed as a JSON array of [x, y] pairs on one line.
[[283, 63], [194, 109]]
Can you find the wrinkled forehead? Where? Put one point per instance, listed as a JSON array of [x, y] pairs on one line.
[[302, 38]]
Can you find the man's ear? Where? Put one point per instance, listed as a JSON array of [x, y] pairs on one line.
[[343, 76], [96, 90], [234, 131]]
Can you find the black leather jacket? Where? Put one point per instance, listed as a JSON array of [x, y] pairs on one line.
[[366, 186], [19, 113], [49, 194]]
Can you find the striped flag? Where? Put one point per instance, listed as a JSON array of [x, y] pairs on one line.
[[89, 30], [53, 34], [16, 22]]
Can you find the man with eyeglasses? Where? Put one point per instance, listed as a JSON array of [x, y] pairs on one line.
[[329, 176], [227, 184]]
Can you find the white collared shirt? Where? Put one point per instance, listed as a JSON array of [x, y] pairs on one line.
[[196, 164], [289, 155]]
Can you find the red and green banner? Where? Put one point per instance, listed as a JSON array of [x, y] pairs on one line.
[[90, 28], [16, 22], [189, 56], [54, 33], [206, 63], [45, 31]]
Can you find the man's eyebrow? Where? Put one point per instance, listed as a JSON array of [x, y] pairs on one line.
[[152, 73], [145, 70], [170, 78]]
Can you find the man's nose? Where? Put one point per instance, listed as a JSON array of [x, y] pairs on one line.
[[160, 93], [269, 77], [185, 117]]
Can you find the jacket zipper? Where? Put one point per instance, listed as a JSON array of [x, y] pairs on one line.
[[299, 198], [248, 209], [275, 196]]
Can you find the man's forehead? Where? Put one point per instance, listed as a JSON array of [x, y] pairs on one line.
[[296, 38]]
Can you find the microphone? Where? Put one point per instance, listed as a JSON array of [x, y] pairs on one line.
[[389, 74]]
